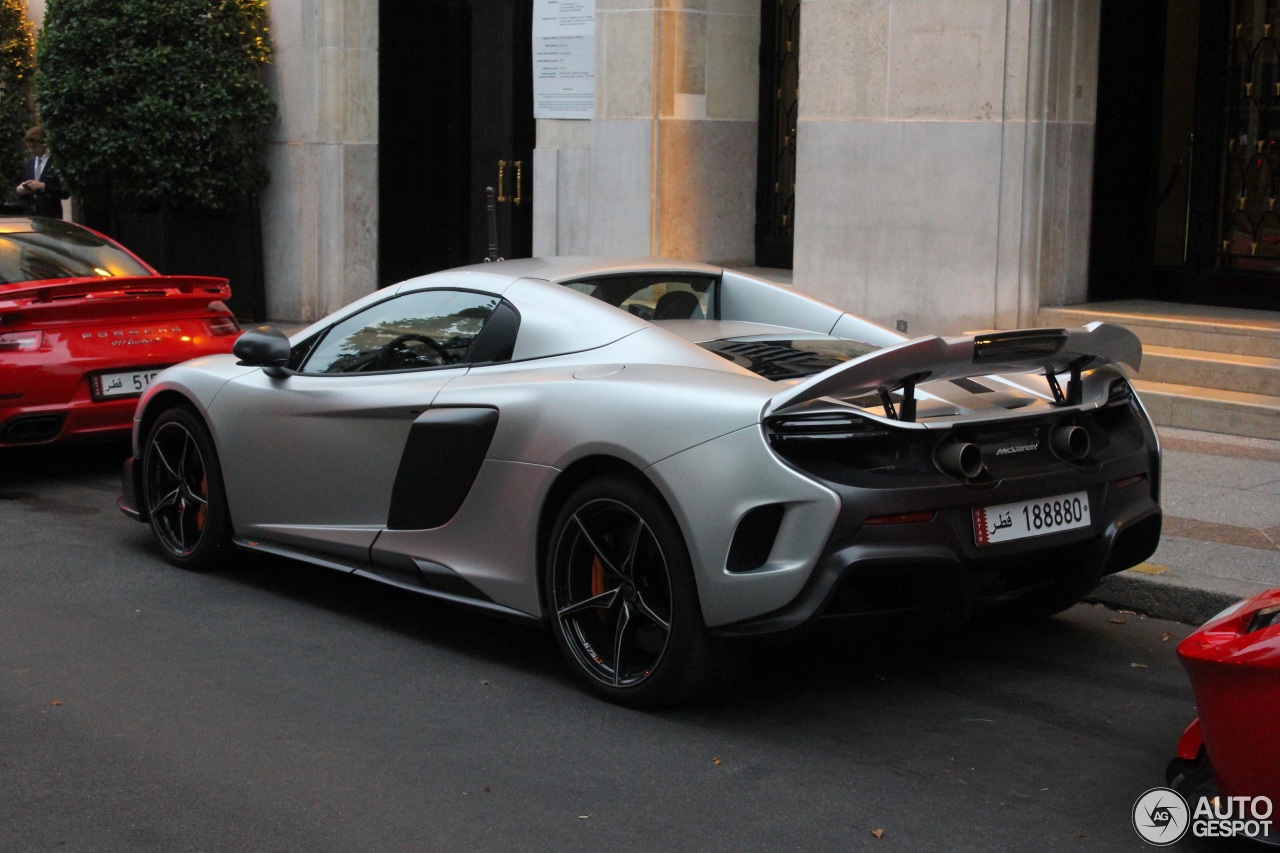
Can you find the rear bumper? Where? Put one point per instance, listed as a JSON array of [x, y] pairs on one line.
[[77, 419], [935, 568]]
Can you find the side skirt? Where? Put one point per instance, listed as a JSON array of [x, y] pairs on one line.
[[393, 578]]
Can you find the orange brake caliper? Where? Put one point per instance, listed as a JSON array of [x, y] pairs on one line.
[[597, 577], [204, 508]]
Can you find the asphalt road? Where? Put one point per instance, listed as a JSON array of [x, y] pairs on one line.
[[277, 706]]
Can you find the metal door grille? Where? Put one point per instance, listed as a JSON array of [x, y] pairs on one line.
[[1250, 221]]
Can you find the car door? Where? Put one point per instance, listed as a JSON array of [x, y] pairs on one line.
[[310, 459]]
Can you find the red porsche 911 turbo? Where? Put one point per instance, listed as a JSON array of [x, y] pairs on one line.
[[85, 325]]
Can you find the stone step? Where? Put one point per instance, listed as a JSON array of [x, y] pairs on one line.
[[1252, 374], [1211, 409], [1196, 327], [1203, 367]]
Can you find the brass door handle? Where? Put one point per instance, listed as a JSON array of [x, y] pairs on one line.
[[502, 180]]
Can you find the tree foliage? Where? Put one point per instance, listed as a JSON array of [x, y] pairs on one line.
[[17, 61], [156, 103]]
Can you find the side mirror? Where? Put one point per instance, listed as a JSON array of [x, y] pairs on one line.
[[264, 347]]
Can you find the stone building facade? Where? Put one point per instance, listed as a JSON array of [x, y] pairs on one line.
[[941, 152]]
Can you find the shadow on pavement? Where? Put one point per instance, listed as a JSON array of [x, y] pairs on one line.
[[48, 462]]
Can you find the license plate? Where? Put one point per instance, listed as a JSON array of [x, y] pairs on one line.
[[1021, 519], [128, 383]]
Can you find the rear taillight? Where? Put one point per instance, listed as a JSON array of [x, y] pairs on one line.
[[919, 517], [845, 446], [1120, 393], [220, 327], [20, 341], [821, 428]]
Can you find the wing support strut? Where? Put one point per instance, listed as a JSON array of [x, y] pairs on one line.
[[1075, 388]]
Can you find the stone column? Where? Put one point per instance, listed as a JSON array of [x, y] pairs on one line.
[[945, 157], [320, 210], [667, 166]]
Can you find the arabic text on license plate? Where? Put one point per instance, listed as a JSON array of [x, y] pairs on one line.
[[130, 383], [1018, 520]]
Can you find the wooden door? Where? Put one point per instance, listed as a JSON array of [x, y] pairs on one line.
[[455, 97], [502, 126]]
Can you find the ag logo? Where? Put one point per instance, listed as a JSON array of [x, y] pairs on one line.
[[1160, 816]]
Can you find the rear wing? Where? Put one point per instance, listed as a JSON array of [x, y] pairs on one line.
[[904, 366], [69, 297]]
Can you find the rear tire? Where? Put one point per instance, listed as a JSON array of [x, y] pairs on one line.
[[1192, 779], [182, 487], [622, 599]]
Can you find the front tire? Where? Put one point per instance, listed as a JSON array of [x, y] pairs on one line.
[[182, 487], [623, 604]]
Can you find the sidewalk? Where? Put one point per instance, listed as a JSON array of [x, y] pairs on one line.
[[1221, 536]]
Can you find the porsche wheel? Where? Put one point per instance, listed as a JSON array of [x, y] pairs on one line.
[[185, 501], [622, 597], [1192, 779]]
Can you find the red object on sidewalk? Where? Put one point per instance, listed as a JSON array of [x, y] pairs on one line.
[[1233, 662]]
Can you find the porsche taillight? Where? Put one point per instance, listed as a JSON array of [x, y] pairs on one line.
[[21, 341], [220, 327]]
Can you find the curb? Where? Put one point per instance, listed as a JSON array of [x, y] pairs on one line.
[[1163, 599]]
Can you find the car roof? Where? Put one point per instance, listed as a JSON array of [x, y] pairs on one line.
[[496, 277], [27, 225]]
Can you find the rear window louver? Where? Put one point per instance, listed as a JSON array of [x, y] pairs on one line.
[[971, 386], [774, 361], [772, 353]]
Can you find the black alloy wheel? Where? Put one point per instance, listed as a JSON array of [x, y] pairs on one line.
[[185, 501], [622, 597]]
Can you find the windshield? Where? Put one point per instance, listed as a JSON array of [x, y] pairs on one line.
[[788, 358], [53, 250]]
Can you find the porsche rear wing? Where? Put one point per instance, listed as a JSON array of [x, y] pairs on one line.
[[47, 300], [904, 366]]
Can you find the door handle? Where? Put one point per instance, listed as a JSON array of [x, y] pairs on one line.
[[502, 181]]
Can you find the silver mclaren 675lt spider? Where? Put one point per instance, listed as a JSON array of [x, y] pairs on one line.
[[659, 460]]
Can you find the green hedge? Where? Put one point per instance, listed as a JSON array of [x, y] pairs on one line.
[[156, 103], [17, 61]]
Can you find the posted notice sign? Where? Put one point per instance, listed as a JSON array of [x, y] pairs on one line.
[[564, 58]]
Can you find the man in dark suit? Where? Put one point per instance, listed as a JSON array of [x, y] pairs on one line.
[[41, 190]]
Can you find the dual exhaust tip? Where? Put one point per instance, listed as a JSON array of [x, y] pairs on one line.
[[963, 459]]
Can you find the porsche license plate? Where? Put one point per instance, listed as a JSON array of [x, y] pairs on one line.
[[1021, 519], [128, 383]]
